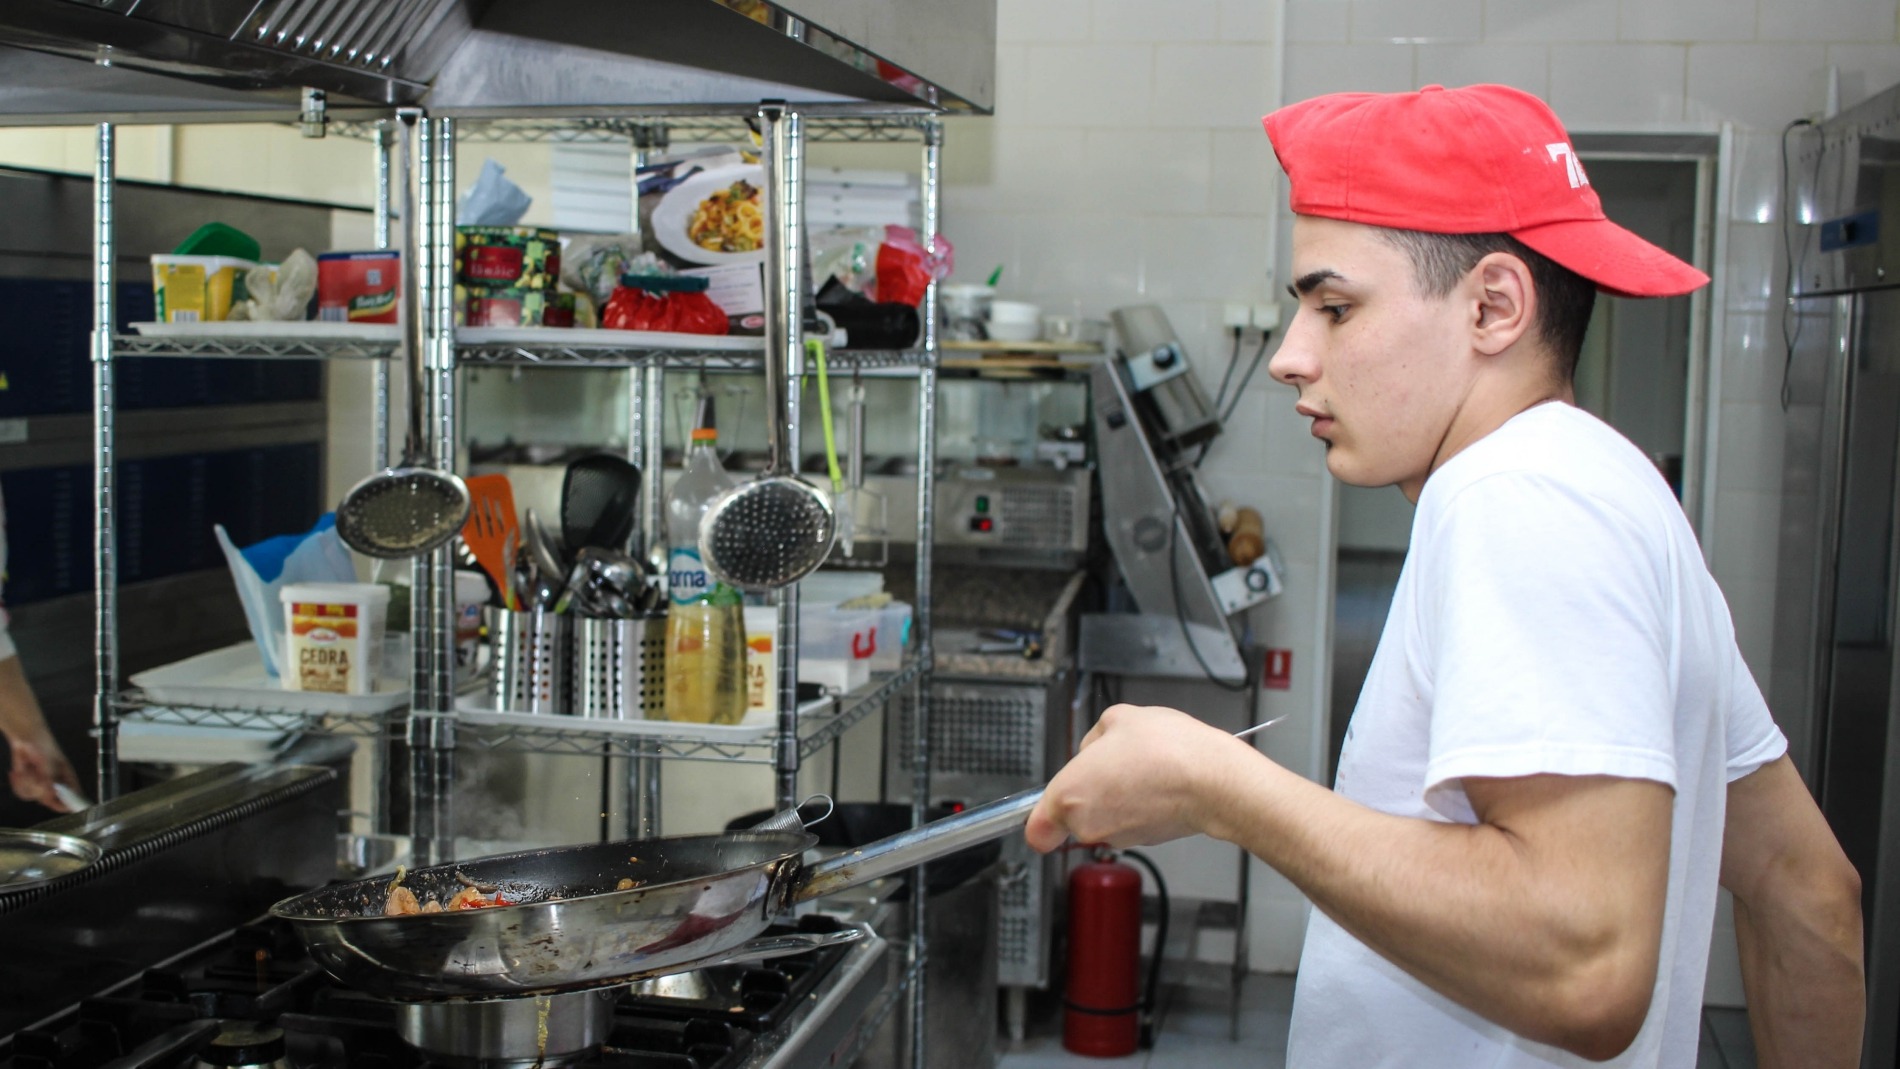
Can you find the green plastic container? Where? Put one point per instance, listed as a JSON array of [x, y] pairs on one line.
[[220, 239]]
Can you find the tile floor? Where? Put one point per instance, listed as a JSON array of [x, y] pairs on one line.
[[1195, 1034]]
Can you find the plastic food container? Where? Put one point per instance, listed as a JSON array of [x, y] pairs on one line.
[[333, 636], [893, 637], [197, 289], [828, 633], [1015, 321], [965, 309]]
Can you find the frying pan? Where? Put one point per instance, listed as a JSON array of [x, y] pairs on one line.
[[700, 900]]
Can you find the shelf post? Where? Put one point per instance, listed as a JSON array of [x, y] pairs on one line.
[[783, 154], [379, 445], [926, 520], [430, 783], [105, 721]]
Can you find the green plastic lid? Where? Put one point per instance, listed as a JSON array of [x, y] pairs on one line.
[[220, 239]]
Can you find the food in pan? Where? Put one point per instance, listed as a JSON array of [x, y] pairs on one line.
[[402, 902], [730, 220]]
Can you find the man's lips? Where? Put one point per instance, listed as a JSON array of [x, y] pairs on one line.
[[1322, 422]]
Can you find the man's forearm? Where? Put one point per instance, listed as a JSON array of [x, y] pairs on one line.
[[1510, 933], [20, 715], [1807, 997]]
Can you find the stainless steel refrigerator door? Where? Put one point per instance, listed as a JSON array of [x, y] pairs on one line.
[[1860, 739], [1837, 677]]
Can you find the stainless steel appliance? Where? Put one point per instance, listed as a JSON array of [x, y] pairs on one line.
[[1157, 519], [158, 955], [1013, 513], [999, 722], [1835, 688], [224, 58], [254, 981], [180, 863], [1158, 368]]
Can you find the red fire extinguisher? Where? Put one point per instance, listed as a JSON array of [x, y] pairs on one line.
[[1105, 1014]]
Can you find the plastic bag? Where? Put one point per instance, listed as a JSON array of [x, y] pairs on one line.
[[593, 263], [493, 200], [279, 292], [884, 263], [848, 254], [261, 570], [905, 268]]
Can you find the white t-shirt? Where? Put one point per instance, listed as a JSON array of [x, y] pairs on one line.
[[1553, 616]]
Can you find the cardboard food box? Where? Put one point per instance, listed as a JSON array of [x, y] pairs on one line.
[[476, 306], [761, 659], [358, 287], [507, 257], [197, 289]]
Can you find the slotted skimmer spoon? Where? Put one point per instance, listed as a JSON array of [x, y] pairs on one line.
[[409, 510], [776, 529]]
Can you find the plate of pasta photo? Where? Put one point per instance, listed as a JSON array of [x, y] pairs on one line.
[[715, 217]]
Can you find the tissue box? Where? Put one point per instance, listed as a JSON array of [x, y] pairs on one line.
[[507, 257]]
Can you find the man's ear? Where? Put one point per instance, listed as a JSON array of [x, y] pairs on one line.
[[1505, 302]]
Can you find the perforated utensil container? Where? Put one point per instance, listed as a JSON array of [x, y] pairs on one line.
[[532, 651], [619, 667]]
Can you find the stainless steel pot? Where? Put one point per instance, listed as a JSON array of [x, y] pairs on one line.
[[697, 901], [543, 1030]]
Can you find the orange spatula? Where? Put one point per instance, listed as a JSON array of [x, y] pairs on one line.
[[490, 531]]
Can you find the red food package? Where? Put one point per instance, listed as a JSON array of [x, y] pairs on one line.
[[696, 313], [635, 308]]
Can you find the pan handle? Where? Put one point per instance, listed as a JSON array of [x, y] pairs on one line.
[[908, 849], [790, 820]]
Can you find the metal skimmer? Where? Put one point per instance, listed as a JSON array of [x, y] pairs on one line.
[[778, 528], [409, 510]]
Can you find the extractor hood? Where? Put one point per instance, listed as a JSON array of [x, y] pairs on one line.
[[62, 60]]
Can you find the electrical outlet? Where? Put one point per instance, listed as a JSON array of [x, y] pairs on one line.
[[1266, 316], [1235, 316]]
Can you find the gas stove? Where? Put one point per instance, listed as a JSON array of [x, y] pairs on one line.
[[252, 997]]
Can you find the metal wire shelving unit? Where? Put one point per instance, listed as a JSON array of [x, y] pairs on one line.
[[415, 165], [820, 723], [555, 353], [252, 347], [275, 721]]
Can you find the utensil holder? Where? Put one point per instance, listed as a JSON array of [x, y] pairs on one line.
[[532, 650], [619, 667]]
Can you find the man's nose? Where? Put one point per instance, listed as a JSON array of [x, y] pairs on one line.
[[1293, 362]]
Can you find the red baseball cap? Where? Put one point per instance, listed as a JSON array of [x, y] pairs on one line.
[[1479, 160]]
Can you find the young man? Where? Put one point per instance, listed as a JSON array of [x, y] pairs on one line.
[[1518, 864]]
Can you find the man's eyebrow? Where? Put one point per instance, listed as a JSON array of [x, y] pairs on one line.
[[1310, 281]]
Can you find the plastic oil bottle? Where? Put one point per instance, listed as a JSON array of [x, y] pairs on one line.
[[705, 620]]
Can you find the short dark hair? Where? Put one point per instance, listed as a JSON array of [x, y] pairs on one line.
[[1565, 298]]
